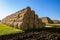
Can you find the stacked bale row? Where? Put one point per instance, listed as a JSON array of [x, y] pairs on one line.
[[56, 21], [24, 19], [41, 24], [46, 20], [0, 21]]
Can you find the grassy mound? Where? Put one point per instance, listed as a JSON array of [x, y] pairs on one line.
[[5, 30]]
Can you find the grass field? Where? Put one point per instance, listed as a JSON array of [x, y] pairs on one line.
[[52, 25], [5, 30]]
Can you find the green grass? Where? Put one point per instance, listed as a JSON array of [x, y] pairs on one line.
[[5, 30], [52, 25]]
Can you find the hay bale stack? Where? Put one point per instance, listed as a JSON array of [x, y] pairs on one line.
[[35, 21], [24, 19], [46, 20], [0, 21], [41, 24], [56, 21], [15, 24], [22, 25], [11, 24]]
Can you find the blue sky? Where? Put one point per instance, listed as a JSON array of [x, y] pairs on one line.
[[43, 8]]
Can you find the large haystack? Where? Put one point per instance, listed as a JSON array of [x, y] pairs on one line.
[[46, 20], [56, 21], [24, 19], [0, 21]]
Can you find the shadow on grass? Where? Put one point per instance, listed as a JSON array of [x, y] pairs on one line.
[[44, 29]]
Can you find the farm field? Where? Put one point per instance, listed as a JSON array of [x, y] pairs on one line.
[[5, 30]]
